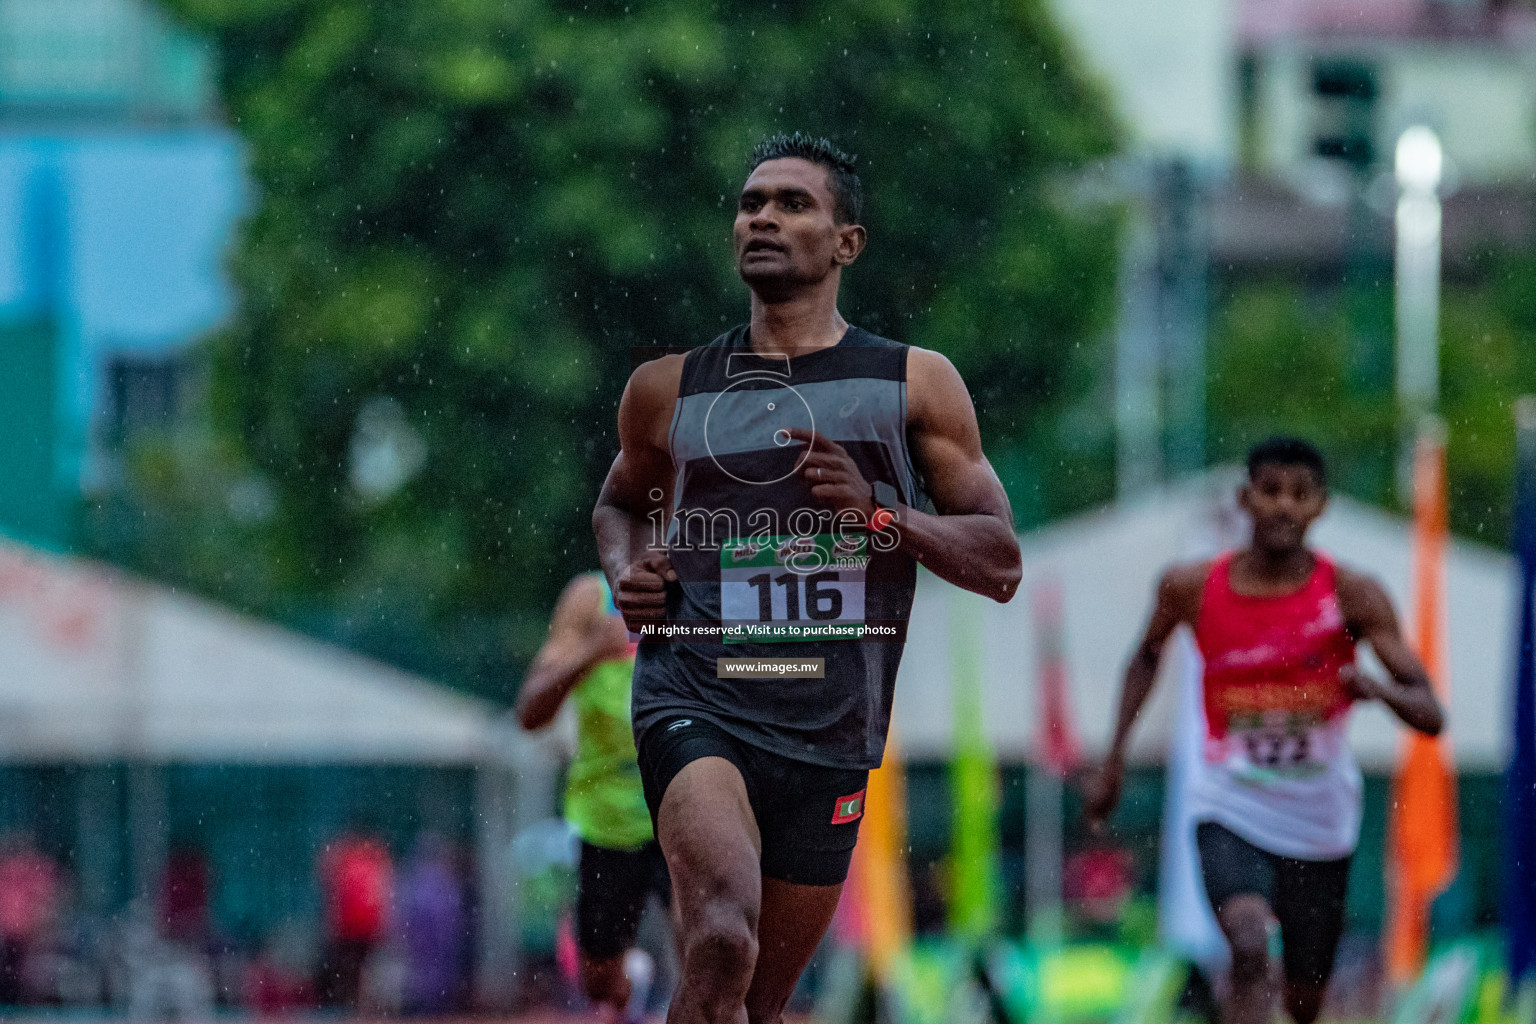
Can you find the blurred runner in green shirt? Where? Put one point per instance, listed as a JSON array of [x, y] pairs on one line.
[[589, 658]]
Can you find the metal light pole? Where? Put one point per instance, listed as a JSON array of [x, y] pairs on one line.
[[1185, 255], [1419, 163], [1138, 398]]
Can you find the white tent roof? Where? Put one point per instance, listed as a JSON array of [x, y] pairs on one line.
[[1107, 564], [94, 666]]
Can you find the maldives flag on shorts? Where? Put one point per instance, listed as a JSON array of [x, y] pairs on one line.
[[848, 808]]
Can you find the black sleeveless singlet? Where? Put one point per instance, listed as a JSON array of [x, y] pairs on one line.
[[764, 570]]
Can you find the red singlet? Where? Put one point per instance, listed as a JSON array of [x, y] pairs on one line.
[[1277, 770]]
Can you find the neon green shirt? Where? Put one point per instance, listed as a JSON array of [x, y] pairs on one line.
[[604, 801]]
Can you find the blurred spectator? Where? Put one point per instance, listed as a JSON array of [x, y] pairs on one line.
[[72, 970], [276, 981], [356, 877], [29, 892], [467, 866], [184, 897], [1097, 883], [431, 927], [163, 980], [171, 972]]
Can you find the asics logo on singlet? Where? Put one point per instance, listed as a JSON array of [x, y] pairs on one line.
[[679, 724]]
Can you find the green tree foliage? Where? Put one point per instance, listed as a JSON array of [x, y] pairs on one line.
[[1281, 363], [479, 208]]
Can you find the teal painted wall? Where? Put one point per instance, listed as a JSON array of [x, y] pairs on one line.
[[34, 507], [261, 829]]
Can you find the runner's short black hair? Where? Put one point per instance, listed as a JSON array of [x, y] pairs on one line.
[[1287, 451], [842, 181]]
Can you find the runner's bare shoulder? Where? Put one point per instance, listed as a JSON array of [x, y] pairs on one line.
[[934, 387], [657, 379], [1181, 587], [1361, 596], [581, 601], [645, 411]]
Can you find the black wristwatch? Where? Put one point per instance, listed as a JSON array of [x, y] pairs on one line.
[[887, 504], [885, 496]]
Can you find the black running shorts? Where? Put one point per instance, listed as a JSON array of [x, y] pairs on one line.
[[611, 889], [808, 815], [1306, 896]]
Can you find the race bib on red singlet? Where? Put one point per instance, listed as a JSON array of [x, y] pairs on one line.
[[1269, 730]]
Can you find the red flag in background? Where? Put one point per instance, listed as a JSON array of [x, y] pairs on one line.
[[1059, 745], [1422, 830]]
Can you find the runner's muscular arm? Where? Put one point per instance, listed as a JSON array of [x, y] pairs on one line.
[[580, 635], [1369, 617], [636, 495], [1178, 600], [970, 542]]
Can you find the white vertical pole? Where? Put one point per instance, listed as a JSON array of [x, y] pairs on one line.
[[1419, 162]]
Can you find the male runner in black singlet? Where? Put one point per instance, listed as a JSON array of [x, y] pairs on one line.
[[790, 461]]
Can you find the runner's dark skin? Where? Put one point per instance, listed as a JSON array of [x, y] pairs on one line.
[[746, 938], [581, 634], [1283, 501]]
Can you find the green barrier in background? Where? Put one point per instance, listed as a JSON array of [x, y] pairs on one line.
[[1465, 982], [944, 982]]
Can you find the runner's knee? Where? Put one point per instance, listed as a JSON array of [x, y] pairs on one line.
[[761, 1012], [603, 980], [1246, 924], [1303, 1002], [721, 943], [1250, 963]]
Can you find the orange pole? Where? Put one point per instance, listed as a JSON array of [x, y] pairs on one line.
[[1422, 829]]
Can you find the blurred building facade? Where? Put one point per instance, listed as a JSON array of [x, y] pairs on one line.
[[1325, 89], [1262, 137], [1168, 67], [1292, 89], [119, 191], [1324, 80]]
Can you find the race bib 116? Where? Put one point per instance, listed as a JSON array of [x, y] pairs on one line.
[[786, 588]]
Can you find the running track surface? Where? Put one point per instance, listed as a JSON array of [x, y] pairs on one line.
[[533, 1017], [563, 1017]]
